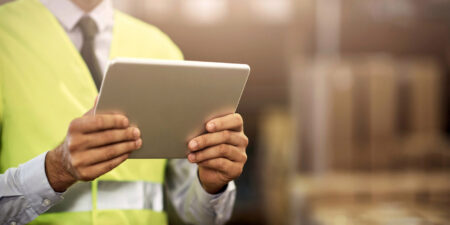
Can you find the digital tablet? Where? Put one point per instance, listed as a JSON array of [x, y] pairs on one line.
[[170, 101]]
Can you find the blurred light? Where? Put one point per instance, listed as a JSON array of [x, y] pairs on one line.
[[343, 78], [123, 6], [385, 10], [272, 11], [205, 12], [158, 8], [328, 22]]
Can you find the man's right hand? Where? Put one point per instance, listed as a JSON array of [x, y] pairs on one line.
[[93, 146]]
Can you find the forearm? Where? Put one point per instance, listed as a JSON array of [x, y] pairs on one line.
[[59, 179], [192, 203], [25, 192], [204, 208]]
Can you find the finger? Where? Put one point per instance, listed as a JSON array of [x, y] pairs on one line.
[[106, 153], [219, 164], [88, 124], [223, 137], [92, 172], [229, 122], [92, 110], [219, 151], [111, 136]]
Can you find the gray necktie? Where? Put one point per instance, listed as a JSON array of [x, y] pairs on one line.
[[89, 30]]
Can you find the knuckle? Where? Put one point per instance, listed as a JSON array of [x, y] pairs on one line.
[[199, 156], [73, 126], [122, 148], [245, 157], [73, 144], [113, 135], [221, 164], [238, 118], [107, 136], [99, 121], [246, 140], [223, 149], [109, 152], [235, 172], [226, 134], [75, 162], [239, 171], [118, 120]]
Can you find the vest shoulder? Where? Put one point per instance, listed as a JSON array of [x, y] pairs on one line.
[[17, 15], [16, 9], [146, 33]]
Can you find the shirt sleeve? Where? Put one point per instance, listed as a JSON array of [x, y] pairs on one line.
[[25, 192], [193, 204]]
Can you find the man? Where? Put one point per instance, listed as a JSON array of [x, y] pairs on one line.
[[52, 56]]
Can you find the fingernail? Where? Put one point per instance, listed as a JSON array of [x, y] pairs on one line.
[[191, 157], [136, 132], [211, 126], [139, 143], [193, 144]]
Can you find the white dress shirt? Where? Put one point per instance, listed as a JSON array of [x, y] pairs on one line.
[[25, 191], [68, 15]]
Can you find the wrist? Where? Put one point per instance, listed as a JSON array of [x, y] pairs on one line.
[[215, 189], [211, 187], [58, 177]]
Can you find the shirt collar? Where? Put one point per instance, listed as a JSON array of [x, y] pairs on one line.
[[68, 14], [103, 15]]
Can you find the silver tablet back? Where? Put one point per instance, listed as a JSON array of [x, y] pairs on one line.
[[170, 101]]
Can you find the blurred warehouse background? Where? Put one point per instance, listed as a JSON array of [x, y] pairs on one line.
[[346, 107]]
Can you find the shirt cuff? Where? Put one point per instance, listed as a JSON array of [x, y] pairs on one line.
[[35, 185], [222, 203]]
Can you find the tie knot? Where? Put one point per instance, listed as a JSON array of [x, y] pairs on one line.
[[88, 27]]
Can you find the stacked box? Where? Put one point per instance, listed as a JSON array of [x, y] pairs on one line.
[[382, 108], [361, 153], [423, 140], [341, 116], [425, 91], [276, 148]]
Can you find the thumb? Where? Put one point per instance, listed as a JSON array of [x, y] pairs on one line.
[[96, 101], [91, 111]]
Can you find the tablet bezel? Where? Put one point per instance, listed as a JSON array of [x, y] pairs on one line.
[[183, 77]]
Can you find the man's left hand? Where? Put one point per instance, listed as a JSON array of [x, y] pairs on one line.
[[220, 153]]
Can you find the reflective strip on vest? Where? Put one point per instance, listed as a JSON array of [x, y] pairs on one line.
[[76, 199], [112, 195]]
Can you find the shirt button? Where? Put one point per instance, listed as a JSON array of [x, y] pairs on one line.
[[13, 223], [46, 202]]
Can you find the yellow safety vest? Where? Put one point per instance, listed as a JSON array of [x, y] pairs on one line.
[[45, 84]]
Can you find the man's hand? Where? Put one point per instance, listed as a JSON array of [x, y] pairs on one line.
[[220, 154], [93, 146]]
